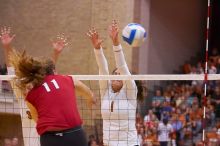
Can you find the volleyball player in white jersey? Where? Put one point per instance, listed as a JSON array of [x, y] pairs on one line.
[[31, 138], [119, 98]]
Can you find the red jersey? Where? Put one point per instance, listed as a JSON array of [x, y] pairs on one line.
[[55, 102]]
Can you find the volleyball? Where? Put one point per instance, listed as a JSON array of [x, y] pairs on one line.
[[134, 34]]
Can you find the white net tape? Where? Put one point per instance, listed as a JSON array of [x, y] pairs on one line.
[[157, 77]]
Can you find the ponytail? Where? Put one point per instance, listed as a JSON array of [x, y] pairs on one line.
[[28, 70], [141, 90]]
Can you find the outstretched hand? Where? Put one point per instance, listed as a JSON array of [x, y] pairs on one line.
[[113, 32], [6, 37], [59, 43], [94, 37]]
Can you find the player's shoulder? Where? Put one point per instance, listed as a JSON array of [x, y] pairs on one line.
[[59, 78], [65, 78]]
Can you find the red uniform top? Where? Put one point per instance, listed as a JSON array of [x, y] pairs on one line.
[[55, 102]]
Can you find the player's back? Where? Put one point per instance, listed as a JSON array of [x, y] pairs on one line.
[[55, 102]]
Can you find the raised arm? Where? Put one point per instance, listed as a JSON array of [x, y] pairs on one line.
[[100, 58], [6, 39], [84, 91], [58, 45], [121, 64]]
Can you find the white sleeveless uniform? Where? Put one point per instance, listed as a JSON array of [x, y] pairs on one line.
[[31, 138], [118, 125]]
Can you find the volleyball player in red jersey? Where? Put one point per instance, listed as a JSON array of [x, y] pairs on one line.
[[52, 100], [30, 136]]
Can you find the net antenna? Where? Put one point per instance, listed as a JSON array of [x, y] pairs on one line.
[[206, 71]]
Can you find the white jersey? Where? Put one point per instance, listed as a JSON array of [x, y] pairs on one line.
[[164, 131], [147, 119], [118, 109], [31, 138]]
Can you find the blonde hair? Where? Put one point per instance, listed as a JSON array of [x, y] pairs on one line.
[[28, 70]]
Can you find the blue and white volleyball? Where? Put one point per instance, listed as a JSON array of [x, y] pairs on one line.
[[134, 34]]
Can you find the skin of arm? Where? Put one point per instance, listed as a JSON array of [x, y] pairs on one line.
[[58, 45], [6, 39], [7, 50], [120, 59], [100, 58], [84, 91], [81, 89], [33, 111]]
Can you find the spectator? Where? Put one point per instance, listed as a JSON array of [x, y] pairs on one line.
[[210, 114], [212, 68], [164, 130], [177, 126], [212, 137], [7, 142], [186, 68], [15, 141], [141, 134], [91, 138], [158, 96], [92, 143], [149, 119], [139, 119], [196, 118], [166, 110], [218, 65], [216, 100], [1, 70], [157, 109], [4, 70], [214, 54], [200, 69], [151, 139]]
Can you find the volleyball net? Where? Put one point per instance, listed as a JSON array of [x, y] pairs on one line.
[[190, 104]]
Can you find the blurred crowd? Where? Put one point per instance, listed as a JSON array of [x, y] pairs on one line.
[[177, 111]]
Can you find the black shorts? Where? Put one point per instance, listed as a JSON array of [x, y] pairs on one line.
[[71, 137]]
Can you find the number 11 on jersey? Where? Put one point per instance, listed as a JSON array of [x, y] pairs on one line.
[[54, 83]]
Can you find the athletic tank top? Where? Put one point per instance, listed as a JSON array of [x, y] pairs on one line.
[[55, 102]]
